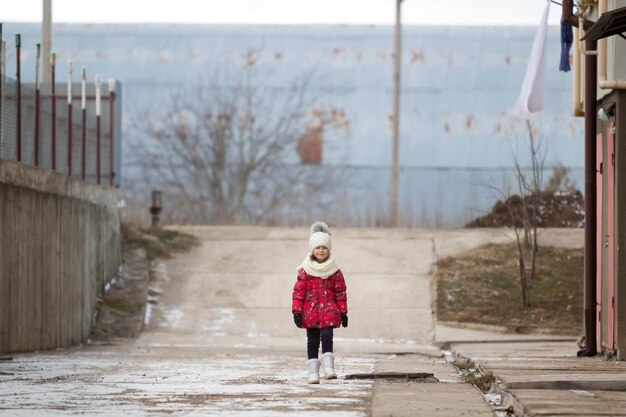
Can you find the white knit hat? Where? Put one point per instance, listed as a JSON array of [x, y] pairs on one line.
[[320, 236]]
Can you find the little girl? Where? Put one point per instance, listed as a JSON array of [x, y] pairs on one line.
[[319, 302]]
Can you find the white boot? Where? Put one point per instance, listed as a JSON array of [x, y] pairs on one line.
[[328, 360], [313, 366]]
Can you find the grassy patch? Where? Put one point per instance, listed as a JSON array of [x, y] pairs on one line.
[[472, 374], [121, 305], [482, 286], [158, 243]]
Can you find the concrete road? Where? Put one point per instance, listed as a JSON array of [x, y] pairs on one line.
[[545, 378], [221, 341]]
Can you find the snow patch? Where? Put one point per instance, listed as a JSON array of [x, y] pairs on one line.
[[174, 317]]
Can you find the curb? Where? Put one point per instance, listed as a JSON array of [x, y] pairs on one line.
[[498, 397]]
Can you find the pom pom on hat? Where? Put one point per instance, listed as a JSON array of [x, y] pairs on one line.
[[320, 236], [320, 227]]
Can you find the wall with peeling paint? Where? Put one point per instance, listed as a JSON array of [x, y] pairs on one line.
[[457, 85]]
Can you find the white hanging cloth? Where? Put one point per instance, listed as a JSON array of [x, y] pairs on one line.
[[529, 105]]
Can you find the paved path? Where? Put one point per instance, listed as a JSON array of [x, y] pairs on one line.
[[221, 339], [545, 378]]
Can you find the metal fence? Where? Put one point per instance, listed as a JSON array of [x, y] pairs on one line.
[[49, 133]]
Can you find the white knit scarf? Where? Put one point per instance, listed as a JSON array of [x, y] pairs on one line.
[[321, 270]]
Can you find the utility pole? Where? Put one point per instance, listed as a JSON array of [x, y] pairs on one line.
[[393, 200], [46, 33]]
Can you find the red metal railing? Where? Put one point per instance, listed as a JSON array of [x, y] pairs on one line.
[[18, 130], [31, 110]]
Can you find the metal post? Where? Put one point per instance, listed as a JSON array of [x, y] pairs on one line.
[[591, 253], [83, 104], [98, 81], [156, 208], [46, 33], [69, 117], [37, 103], [18, 134], [111, 128], [1, 79], [393, 200], [54, 110]]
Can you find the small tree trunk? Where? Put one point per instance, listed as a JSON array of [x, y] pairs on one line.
[[535, 244], [523, 282], [533, 259]]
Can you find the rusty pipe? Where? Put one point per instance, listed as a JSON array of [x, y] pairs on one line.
[[591, 70], [111, 135], [18, 92], [568, 16], [37, 104], [54, 110], [591, 86]]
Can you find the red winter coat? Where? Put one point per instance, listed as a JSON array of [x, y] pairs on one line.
[[320, 301]]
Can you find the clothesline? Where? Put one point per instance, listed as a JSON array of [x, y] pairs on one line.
[[555, 2]]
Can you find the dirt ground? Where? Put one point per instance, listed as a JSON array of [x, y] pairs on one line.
[[563, 209], [122, 308], [482, 286], [121, 311]]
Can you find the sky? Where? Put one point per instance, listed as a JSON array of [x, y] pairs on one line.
[[418, 12]]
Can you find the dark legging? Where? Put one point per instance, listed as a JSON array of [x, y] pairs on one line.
[[313, 341]]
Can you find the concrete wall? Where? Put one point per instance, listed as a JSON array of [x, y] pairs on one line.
[[458, 84], [60, 242]]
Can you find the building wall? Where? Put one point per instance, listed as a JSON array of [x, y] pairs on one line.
[[620, 225], [612, 321], [60, 242], [616, 70], [616, 49], [457, 85]]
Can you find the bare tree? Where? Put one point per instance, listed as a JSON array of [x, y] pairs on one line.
[[525, 217], [226, 152], [530, 190], [523, 207]]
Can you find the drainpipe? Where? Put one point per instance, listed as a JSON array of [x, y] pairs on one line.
[[577, 102], [591, 86], [579, 24]]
